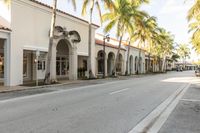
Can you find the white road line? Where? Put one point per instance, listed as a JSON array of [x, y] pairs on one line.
[[114, 92], [190, 100]]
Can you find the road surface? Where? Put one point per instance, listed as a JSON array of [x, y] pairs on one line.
[[110, 107]]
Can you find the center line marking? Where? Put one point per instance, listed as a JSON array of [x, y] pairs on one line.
[[114, 92]]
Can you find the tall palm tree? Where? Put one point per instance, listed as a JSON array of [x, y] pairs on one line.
[[144, 34], [194, 26], [183, 52], [122, 16], [163, 47], [92, 4], [193, 13], [137, 16], [47, 78], [151, 27]]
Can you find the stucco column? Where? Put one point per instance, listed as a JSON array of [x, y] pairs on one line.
[[73, 63], [7, 62], [106, 68], [53, 63]]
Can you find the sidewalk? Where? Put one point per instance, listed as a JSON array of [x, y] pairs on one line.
[[4, 89], [186, 116]]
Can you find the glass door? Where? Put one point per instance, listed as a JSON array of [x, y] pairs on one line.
[[62, 66]]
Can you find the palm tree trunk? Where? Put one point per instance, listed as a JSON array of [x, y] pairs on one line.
[[159, 64], [138, 63], [127, 61], [91, 74], [117, 57], [149, 62], [163, 64], [139, 68], [47, 79]]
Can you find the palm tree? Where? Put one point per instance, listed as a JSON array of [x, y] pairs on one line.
[[151, 27], [93, 3], [137, 16], [145, 30], [194, 26], [122, 16], [164, 48], [47, 78], [194, 10], [183, 52]]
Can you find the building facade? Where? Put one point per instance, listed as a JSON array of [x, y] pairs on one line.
[[136, 59], [26, 37], [24, 41]]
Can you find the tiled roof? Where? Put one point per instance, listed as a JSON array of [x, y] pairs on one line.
[[4, 28], [123, 42], [100, 42], [43, 4]]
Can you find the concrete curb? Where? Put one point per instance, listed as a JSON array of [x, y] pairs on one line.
[[154, 121], [36, 87], [22, 88]]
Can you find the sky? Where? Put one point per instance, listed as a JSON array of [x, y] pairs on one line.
[[171, 15]]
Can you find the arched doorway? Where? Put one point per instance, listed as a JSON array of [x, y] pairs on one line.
[[100, 61], [110, 63], [136, 65], [140, 65], [62, 59], [2, 62], [119, 64], [131, 64]]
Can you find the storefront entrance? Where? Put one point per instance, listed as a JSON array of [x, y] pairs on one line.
[[62, 66], [1, 60], [62, 60]]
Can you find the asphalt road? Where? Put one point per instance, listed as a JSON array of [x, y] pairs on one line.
[[110, 107]]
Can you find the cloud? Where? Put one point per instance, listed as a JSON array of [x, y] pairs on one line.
[[174, 6]]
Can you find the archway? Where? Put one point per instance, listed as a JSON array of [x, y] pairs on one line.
[[100, 62], [147, 69], [131, 64], [119, 64], [140, 65], [62, 59], [110, 63], [136, 65], [2, 61]]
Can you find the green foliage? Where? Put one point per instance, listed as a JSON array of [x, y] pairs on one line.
[[194, 26], [122, 16], [183, 51], [163, 43], [96, 3], [175, 57]]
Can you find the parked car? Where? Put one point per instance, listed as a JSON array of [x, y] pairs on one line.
[[197, 72]]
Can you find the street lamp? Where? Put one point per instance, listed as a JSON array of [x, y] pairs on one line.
[[105, 38]]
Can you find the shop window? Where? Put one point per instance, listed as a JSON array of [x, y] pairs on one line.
[[85, 65], [25, 66], [44, 65], [41, 65]]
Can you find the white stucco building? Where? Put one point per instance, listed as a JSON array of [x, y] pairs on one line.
[[24, 35], [27, 30], [135, 65]]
